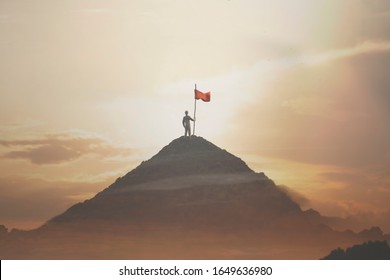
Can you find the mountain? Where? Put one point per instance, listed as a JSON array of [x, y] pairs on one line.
[[191, 182], [192, 200], [341, 224], [371, 250]]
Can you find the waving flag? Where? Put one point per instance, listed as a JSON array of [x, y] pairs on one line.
[[203, 96]]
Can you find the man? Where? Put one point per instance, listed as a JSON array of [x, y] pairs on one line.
[[187, 124]]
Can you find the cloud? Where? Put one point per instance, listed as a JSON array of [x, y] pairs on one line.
[[47, 154], [94, 10], [324, 113], [367, 187], [59, 148], [363, 216], [363, 48], [24, 199], [328, 111], [381, 219]]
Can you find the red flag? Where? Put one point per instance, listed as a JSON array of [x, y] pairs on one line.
[[204, 96]]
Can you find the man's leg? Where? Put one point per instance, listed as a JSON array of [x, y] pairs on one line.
[[189, 130]]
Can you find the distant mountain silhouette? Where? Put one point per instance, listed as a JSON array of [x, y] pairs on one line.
[[371, 250], [192, 200], [3, 230], [337, 223]]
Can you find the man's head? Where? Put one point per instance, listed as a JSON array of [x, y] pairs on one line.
[[186, 112]]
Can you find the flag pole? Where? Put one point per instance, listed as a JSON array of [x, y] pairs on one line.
[[193, 133]]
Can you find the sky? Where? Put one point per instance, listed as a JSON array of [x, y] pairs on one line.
[[89, 89]]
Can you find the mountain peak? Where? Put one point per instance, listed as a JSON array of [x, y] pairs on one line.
[[185, 145], [187, 156]]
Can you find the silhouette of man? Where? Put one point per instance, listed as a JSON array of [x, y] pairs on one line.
[[187, 124]]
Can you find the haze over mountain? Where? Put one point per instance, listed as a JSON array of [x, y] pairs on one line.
[[191, 200]]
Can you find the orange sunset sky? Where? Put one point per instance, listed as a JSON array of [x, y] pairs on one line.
[[89, 89]]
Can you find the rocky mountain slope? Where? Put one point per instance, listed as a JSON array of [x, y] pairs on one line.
[[190, 182]]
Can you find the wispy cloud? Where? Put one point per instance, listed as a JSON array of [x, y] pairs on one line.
[[4, 18], [59, 148], [366, 47], [251, 80], [93, 10], [316, 58]]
